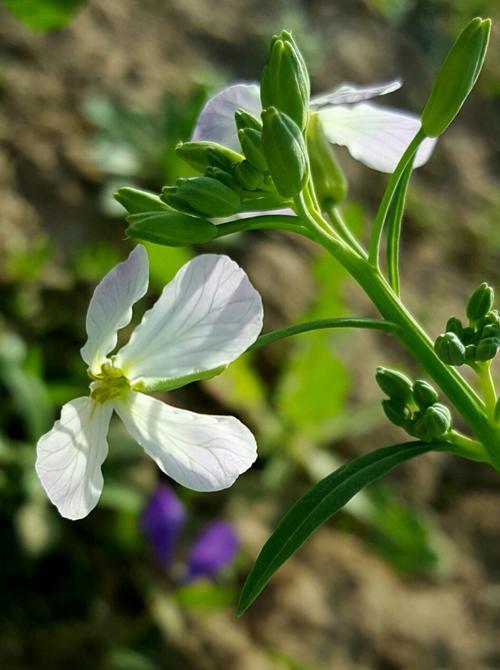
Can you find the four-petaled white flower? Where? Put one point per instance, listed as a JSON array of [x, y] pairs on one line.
[[204, 319], [375, 135]]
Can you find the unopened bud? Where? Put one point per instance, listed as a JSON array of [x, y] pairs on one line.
[[454, 325], [244, 119], [285, 152], [205, 195], [224, 177], [433, 423], [394, 384], [247, 176], [199, 155], [456, 78], [251, 145], [424, 394], [285, 81], [480, 302], [450, 349], [487, 349], [396, 411], [136, 200], [172, 229]]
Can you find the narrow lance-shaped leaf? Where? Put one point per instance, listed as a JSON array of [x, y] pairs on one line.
[[318, 505], [394, 223]]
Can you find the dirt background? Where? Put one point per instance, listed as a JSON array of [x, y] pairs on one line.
[[337, 605]]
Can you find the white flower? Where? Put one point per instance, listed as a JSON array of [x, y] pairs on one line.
[[204, 319], [375, 135]]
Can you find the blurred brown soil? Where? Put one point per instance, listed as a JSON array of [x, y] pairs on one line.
[[336, 605]]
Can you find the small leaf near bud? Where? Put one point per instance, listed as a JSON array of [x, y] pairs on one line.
[[285, 152], [424, 394], [136, 200], [285, 81], [206, 195], [480, 302], [456, 78], [450, 349], [394, 384], [172, 229]]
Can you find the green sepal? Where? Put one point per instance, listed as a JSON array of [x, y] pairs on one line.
[[329, 181], [285, 152], [244, 119], [480, 302], [199, 155], [157, 385], [171, 229], [204, 195], [456, 78], [432, 423], [137, 200]]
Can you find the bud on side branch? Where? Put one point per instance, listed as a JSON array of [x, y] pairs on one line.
[[171, 229]]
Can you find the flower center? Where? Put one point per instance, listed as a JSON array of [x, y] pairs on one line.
[[108, 384]]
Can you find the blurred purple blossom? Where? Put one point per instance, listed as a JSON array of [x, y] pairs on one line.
[[162, 519], [215, 547]]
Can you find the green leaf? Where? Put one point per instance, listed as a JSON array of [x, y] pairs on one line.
[[394, 222], [170, 228], [318, 505], [43, 14]]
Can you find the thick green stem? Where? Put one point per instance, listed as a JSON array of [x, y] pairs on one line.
[[263, 222], [412, 336], [464, 446], [343, 230]]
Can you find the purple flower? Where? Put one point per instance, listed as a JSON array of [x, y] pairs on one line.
[[162, 519], [214, 548]]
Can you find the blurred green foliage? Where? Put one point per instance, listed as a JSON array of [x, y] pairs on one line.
[[44, 14]]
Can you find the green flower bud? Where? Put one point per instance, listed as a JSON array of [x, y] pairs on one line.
[[424, 394], [251, 144], [487, 349], [454, 325], [397, 412], [285, 81], [450, 349], [490, 330], [247, 176], [394, 384], [136, 200], [329, 181], [205, 195], [285, 152], [244, 119], [470, 353], [171, 229], [433, 423], [480, 302], [170, 196], [199, 155], [468, 336], [456, 78]]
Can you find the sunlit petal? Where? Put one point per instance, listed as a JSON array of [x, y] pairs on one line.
[[206, 317], [347, 93], [111, 306], [204, 453], [216, 121], [70, 456], [376, 136]]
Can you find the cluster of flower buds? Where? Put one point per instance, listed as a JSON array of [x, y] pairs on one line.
[[480, 340], [413, 406], [162, 521]]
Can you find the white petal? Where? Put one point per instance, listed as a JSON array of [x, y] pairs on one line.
[[70, 456], [203, 453], [216, 121], [347, 93], [376, 136], [111, 306], [206, 317]]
